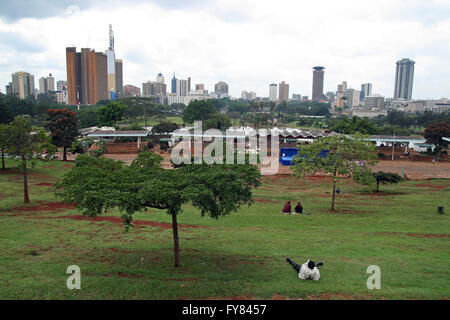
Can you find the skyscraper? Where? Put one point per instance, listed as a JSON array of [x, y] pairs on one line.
[[273, 92], [404, 79], [283, 94], [23, 85], [47, 85], [174, 84], [87, 76], [221, 89], [160, 78], [182, 88], [119, 76], [318, 80], [366, 90]]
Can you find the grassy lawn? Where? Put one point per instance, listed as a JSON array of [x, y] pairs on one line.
[[241, 255]]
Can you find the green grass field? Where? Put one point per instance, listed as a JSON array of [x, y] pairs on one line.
[[241, 255]]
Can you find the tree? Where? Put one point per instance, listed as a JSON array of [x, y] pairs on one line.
[[3, 143], [63, 125], [217, 121], [165, 127], [87, 118], [99, 184], [198, 111], [337, 155], [385, 178], [435, 132], [111, 113], [26, 145], [6, 115]]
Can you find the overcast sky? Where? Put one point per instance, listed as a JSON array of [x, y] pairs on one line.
[[247, 43]]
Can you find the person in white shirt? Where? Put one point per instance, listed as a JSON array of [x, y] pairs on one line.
[[308, 271]]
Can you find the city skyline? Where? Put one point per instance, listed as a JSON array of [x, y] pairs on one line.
[[229, 59]]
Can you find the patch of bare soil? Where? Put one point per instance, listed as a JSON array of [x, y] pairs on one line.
[[415, 235], [118, 221], [46, 206]]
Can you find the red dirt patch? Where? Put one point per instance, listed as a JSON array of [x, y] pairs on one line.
[[46, 206], [430, 185], [118, 221], [124, 275], [45, 184], [416, 235]]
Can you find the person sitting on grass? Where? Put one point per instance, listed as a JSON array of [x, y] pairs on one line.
[[287, 208], [308, 271], [299, 208]]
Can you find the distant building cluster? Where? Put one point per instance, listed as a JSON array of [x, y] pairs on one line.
[[94, 76]]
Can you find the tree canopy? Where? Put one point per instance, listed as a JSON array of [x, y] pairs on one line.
[[435, 132], [386, 178], [199, 111], [111, 113], [345, 156], [63, 125], [99, 184]]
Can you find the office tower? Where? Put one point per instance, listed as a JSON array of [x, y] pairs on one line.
[[296, 97], [273, 92], [283, 92], [61, 85], [119, 76], [340, 94], [181, 88], [87, 76], [174, 84], [331, 97], [374, 101], [189, 85], [221, 89], [318, 81], [248, 96], [366, 90], [199, 87], [154, 88], [131, 91], [352, 97], [404, 78], [160, 78], [8, 90], [47, 85], [23, 85]]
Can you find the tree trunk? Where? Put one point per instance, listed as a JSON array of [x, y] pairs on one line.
[[378, 186], [25, 183], [333, 198], [175, 239], [65, 154], [3, 159]]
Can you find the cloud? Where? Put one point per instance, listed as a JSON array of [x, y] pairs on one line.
[[247, 43]]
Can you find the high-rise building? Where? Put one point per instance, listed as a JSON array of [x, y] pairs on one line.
[[331, 97], [174, 84], [131, 91], [374, 101], [119, 76], [340, 103], [283, 92], [154, 88], [318, 81], [352, 97], [273, 92], [8, 89], [248, 95], [404, 78], [366, 90], [87, 76], [47, 85], [199, 87], [160, 78], [182, 88], [189, 85], [61, 85], [296, 97], [221, 89], [23, 85]]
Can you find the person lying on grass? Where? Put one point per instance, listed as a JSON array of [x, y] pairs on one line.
[[308, 271]]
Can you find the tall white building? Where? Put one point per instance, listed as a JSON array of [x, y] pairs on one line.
[[353, 97], [47, 85], [404, 78], [182, 88], [248, 96], [23, 84], [273, 92]]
